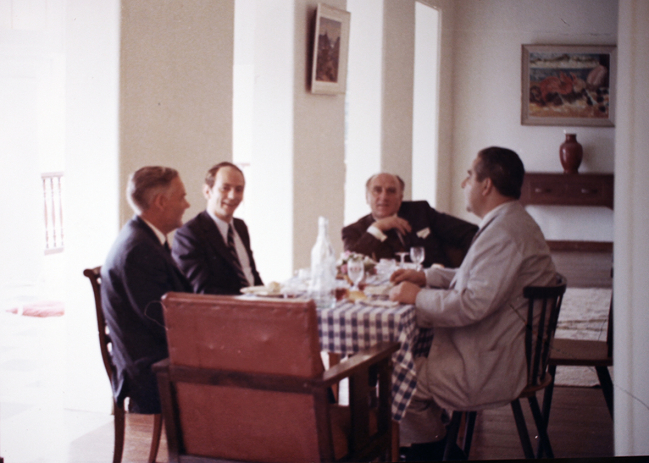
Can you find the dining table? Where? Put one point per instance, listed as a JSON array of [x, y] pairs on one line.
[[351, 326]]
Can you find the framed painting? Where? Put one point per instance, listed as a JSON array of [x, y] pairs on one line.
[[571, 85], [330, 50]]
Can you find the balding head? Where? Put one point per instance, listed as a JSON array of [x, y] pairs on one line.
[[384, 193]]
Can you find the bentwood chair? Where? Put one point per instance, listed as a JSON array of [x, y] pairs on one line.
[[544, 303], [105, 343], [245, 381]]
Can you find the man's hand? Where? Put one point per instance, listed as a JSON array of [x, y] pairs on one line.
[[388, 223], [406, 293], [412, 276]]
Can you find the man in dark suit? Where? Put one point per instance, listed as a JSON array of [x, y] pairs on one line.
[[138, 271], [396, 226], [213, 248]]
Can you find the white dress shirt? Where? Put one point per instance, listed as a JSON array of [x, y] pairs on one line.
[[223, 226]]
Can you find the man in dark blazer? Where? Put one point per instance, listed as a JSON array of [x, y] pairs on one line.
[[213, 249], [396, 226], [138, 271]]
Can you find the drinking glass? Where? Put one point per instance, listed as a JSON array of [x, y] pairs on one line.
[[355, 270], [417, 255], [402, 255]]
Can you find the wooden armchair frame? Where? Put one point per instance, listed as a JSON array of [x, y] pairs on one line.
[[362, 369]]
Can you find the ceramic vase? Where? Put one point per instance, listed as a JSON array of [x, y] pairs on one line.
[[571, 154]]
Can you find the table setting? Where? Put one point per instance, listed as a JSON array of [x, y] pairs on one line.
[[362, 315]]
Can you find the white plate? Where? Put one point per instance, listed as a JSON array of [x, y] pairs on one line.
[[261, 291]]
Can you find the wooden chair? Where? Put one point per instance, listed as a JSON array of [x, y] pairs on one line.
[[585, 353], [245, 381], [94, 275], [544, 303]]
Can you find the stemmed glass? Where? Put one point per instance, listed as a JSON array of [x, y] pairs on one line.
[[356, 270], [417, 255], [402, 255]]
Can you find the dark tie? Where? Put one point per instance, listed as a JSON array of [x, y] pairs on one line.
[[235, 257], [167, 248]]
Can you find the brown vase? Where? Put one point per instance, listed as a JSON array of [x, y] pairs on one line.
[[571, 154]]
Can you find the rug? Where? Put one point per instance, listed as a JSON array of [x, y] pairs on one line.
[[584, 315], [40, 309]]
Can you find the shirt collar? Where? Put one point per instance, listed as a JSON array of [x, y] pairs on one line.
[[222, 225], [161, 236], [490, 215]]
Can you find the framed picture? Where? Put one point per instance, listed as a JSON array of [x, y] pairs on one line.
[[330, 50], [568, 85]]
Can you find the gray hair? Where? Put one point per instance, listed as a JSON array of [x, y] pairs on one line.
[[146, 183]]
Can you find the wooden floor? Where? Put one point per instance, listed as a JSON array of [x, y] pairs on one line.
[[580, 427]]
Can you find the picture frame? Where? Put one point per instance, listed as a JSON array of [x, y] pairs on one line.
[[330, 50], [568, 85]]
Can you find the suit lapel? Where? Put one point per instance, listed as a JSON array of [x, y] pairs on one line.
[[214, 238]]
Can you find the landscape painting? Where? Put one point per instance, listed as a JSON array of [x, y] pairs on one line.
[[567, 85]]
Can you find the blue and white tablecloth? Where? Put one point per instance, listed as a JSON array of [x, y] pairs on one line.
[[350, 327]]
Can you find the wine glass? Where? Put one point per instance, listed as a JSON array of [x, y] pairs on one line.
[[402, 255], [355, 270], [417, 255]]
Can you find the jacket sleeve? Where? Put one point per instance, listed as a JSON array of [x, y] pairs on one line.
[[357, 239], [145, 279], [452, 230], [192, 259]]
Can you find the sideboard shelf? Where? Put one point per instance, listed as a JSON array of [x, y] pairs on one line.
[[558, 189]]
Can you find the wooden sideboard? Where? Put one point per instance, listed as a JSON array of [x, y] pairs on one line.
[[557, 189]]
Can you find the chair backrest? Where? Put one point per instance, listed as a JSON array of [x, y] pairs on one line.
[[244, 361], [544, 304], [105, 343]]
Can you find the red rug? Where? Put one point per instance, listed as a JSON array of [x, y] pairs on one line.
[[41, 309]]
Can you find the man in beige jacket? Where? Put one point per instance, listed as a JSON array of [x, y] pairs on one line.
[[477, 358]]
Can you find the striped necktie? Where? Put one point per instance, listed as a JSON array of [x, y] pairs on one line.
[[235, 258]]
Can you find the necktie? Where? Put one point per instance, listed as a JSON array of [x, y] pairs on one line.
[[235, 257], [167, 248]]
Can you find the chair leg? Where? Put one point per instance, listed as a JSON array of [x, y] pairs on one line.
[[542, 427], [155, 438], [395, 441], [522, 429], [451, 434], [468, 432], [607, 386], [118, 449], [547, 395]]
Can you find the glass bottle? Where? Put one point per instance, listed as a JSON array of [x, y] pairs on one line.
[[322, 287]]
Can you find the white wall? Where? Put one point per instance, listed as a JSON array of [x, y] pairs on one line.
[[92, 194], [363, 104], [175, 90], [263, 121], [487, 94], [631, 353], [318, 145], [425, 131]]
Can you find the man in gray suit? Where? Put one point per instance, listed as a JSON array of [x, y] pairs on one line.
[[478, 312]]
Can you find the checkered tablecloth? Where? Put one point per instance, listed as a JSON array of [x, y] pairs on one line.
[[348, 328]]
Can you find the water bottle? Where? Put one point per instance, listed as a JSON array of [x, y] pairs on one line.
[[322, 287]]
